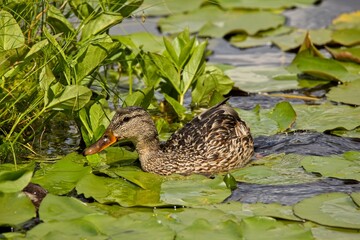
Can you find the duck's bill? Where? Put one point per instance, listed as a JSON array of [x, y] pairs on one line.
[[105, 141]]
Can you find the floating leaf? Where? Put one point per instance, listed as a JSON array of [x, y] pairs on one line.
[[347, 37], [15, 181], [62, 176], [347, 21], [261, 79], [15, 208], [330, 209], [329, 233], [356, 197], [346, 93], [284, 115], [326, 117], [269, 4], [342, 167], [346, 54], [156, 8]]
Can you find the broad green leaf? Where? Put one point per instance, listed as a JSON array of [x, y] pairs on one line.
[[11, 35], [81, 8], [46, 79], [15, 208], [167, 70], [59, 22], [275, 169], [141, 40], [238, 22], [329, 233], [156, 8], [330, 209], [73, 97], [268, 228], [147, 181], [262, 79], [342, 132], [140, 98], [347, 37], [356, 197], [346, 54], [333, 166], [347, 21], [193, 67], [171, 51], [178, 108], [194, 190], [100, 24], [284, 115], [268, 4], [15, 181], [36, 48], [62, 176], [346, 93], [326, 117], [60, 208]]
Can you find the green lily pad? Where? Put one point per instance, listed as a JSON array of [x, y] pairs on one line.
[[269, 228], [62, 176], [330, 209], [329, 233], [354, 133], [269, 4], [356, 197], [326, 117], [345, 93], [262, 79], [284, 115], [346, 166], [15, 181], [156, 8], [15, 208], [347, 37], [275, 169], [347, 21], [346, 54]]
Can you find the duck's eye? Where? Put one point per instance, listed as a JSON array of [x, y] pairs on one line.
[[126, 119]]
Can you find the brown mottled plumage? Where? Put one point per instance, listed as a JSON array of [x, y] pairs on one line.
[[215, 141]]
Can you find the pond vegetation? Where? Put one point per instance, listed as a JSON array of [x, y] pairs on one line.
[[58, 63]]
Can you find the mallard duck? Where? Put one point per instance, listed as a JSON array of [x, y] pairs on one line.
[[215, 141]]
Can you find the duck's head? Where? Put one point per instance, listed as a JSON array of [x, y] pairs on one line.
[[131, 123]]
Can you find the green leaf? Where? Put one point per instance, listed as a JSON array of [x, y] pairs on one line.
[[15, 181], [81, 8], [140, 98], [156, 8], [178, 108], [347, 37], [269, 4], [284, 115], [15, 208], [59, 22], [333, 166], [193, 66], [230, 181], [262, 79], [61, 177], [345, 93], [346, 54], [100, 24], [11, 35], [73, 97], [330, 209], [59, 208], [326, 117], [167, 70], [171, 51]]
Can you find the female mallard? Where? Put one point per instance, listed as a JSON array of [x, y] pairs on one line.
[[215, 141]]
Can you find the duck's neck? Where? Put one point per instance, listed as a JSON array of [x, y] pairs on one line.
[[151, 157]]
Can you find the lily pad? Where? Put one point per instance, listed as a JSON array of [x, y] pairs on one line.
[[330, 209], [284, 115], [346, 54], [62, 176], [346, 166], [345, 93], [329, 233], [347, 37], [347, 21], [15, 181], [156, 8], [262, 79], [269, 4], [15, 208], [326, 117]]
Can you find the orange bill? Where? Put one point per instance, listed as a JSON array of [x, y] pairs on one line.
[[105, 141]]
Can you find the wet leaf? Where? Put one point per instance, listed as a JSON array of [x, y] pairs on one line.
[[347, 37], [330, 209], [346, 54], [230, 181], [326, 117], [275, 169], [60, 208], [343, 167], [356, 198], [11, 35], [329, 233], [15, 181], [261, 79], [62, 176], [284, 115], [269, 228], [354, 133], [15, 208], [345, 93]]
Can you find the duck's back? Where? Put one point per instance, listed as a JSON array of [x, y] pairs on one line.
[[217, 140]]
